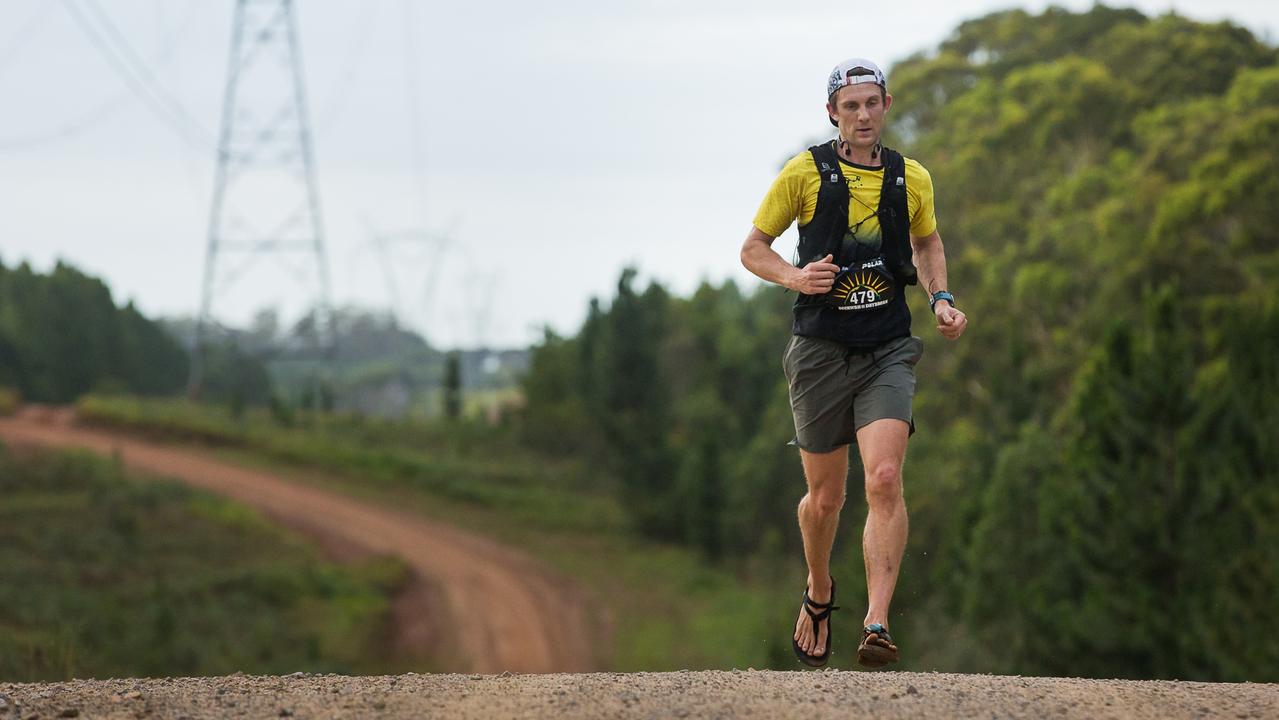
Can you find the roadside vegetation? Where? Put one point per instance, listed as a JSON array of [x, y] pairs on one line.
[[107, 575], [665, 608], [468, 462], [9, 401]]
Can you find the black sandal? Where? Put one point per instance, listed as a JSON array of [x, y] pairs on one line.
[[826, 608], [876, 648]]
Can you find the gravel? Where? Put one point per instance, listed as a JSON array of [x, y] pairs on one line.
[[701, 694]]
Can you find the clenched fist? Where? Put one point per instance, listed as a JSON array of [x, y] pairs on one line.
[[950, 322]]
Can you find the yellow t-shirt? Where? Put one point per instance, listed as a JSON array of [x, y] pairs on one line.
[[793, 195]]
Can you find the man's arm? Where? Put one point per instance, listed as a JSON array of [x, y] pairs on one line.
[[760, 258], [930, 262]]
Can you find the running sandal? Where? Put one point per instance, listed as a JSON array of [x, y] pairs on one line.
[[826, 608], [876, 648]]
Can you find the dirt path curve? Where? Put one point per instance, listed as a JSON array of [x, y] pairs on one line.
[[474, 605]]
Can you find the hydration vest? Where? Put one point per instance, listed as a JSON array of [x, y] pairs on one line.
[[824, 234]]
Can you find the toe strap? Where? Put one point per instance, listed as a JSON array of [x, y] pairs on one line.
[[879, 631], [820, 615]]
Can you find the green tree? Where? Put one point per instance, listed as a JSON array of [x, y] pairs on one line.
[[61, 335], [453, 386], [1122, 544], [635, 407]]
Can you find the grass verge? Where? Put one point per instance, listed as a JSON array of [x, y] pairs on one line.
[[664, 607], [105, 575]]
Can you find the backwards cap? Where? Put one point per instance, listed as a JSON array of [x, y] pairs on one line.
[[854, 71]]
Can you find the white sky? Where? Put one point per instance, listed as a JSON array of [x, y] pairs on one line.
[[556, 143]]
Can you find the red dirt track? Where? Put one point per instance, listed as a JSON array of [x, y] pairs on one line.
[[473, 605]]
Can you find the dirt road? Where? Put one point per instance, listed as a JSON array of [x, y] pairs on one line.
[[714, 694], [473, 604]]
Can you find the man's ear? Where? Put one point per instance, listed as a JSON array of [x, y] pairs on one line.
[[830, 110], [888, 101]]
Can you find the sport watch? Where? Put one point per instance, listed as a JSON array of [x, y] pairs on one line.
[[940, 295]]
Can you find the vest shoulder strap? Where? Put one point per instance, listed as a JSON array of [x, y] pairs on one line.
[[893, 194], [830, 217], [894, 216]]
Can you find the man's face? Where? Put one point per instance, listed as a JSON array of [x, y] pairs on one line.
[[859, 110]]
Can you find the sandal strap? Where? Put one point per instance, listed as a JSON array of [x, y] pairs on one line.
[[814, 603], [821, 615], [879, 631]]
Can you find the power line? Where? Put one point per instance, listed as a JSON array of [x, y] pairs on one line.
[[108, 106], [85, 121], [138, 79], [140, 66]]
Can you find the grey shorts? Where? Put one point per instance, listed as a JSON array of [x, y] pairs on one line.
[[835, 391]]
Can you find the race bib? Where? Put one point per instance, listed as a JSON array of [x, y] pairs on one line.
[[863, 286]]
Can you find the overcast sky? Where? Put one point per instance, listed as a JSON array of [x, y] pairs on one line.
[[554, 143]]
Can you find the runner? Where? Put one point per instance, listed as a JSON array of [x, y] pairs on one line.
[[863, 211]]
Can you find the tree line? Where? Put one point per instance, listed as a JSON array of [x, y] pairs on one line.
[[61, 335]]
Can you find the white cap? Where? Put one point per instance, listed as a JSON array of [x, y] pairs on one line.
[[854, 71]]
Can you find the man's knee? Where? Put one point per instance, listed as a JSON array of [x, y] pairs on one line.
[[884, 483], [826, 503], [827, 477]]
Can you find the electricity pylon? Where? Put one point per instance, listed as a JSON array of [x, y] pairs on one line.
[[265, 200], [395, 260]]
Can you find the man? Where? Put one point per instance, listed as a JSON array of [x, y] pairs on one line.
[[863, 212]]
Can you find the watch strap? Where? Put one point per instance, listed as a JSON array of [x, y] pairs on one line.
[[941, 295]]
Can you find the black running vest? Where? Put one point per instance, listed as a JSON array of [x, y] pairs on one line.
[[824, 234]]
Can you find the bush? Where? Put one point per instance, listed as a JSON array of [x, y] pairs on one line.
[[9, 401]]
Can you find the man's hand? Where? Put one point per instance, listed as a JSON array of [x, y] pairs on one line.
[[950, 322], [815, 278]]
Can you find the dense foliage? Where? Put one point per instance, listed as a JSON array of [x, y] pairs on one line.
[[107, 576], [1094, 488], [61, 335]]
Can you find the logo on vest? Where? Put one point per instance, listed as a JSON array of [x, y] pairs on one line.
[[862, 290]]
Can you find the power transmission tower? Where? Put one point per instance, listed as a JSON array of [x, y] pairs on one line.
[[395, 258], [265, 200]]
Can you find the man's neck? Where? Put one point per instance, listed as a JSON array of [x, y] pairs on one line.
[[856, 155]]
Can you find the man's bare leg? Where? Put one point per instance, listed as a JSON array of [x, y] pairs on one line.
[[883, 449], [827, 475]]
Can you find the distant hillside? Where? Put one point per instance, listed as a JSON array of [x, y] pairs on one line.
[[378, 367], [62, 335]]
